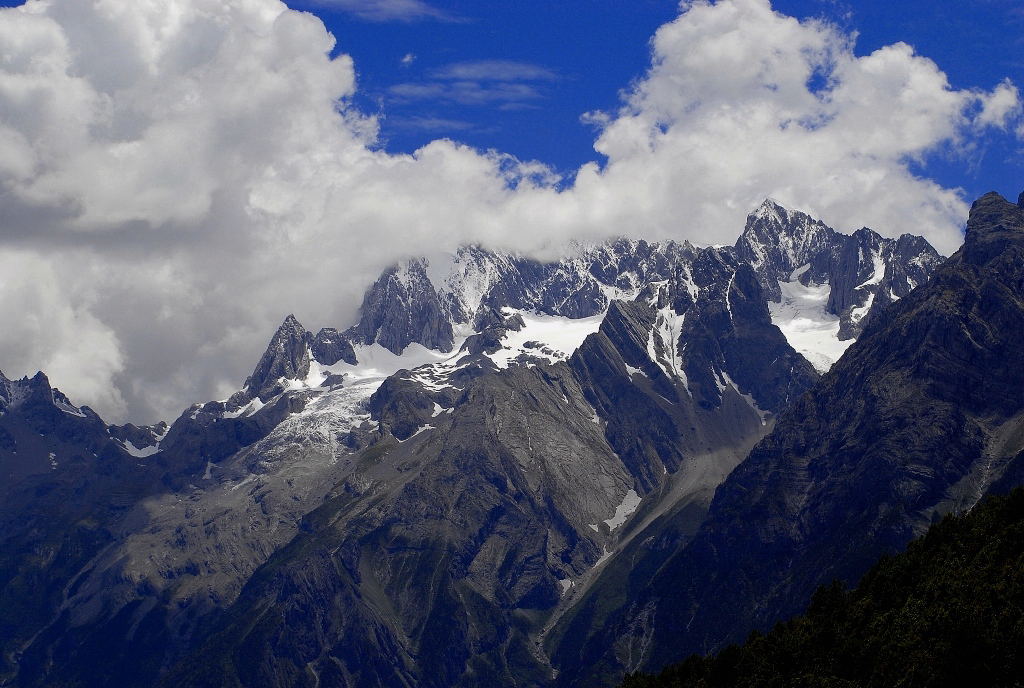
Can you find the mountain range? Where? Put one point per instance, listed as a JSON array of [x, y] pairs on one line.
[[516, 472]]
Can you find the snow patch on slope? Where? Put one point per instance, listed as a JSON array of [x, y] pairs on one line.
[[808, 327], [857, 314], [421, 429], [727, 381], [623, 511], [254, 405], [142, 452], [377, 363], [667, 328], [69, 409], [878, 271], [552, 337]]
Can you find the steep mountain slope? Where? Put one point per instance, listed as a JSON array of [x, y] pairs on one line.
[[944, 613], [67, 481], [919, 418]]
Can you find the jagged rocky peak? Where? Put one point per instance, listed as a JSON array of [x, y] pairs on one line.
[[623, 263], [41, 431], [709, 330], [429, 300], [6, 392], [777, 240], [139, 439], [464, 279], [403, 307], [861, 272], [872, 271], [857, 275], [478, 280], [915, 260], [287, 358], [492, 326], [35, 393]]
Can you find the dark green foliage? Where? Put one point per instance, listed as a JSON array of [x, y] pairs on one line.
[[947, 612]]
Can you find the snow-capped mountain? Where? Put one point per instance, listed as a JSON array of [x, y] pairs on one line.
[[835, 281], [494, 438], [822, 287]]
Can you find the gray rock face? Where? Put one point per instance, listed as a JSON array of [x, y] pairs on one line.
[[37, 420], [419, 302], [402, 307], [776, 241], [67, 481], [140, 437], [330, 346], [921, 417], [287, 358]]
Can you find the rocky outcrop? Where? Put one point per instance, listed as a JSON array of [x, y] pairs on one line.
[[287, 358], [141, 438], [329, 346], [776, 241]]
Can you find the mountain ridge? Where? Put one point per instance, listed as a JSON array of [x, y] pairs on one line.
[[918, 419]]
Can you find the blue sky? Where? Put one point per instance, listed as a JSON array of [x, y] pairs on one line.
[[576, 55]]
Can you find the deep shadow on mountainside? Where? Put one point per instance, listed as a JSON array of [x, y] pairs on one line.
[[920, 417], [949, 611]]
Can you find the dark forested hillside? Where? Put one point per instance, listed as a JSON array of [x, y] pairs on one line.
[[947, 612]]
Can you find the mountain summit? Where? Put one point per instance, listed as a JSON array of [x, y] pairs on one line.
[[864, 271]]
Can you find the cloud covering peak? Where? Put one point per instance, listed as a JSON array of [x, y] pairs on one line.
[[178, 175]]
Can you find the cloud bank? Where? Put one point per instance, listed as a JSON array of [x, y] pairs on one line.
[[385, 10], [178, 176]]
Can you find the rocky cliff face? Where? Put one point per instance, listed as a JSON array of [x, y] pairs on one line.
[[430, 301], [920, 417], [403, 307]]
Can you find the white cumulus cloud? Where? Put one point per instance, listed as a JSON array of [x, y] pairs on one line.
[[179, 175]]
